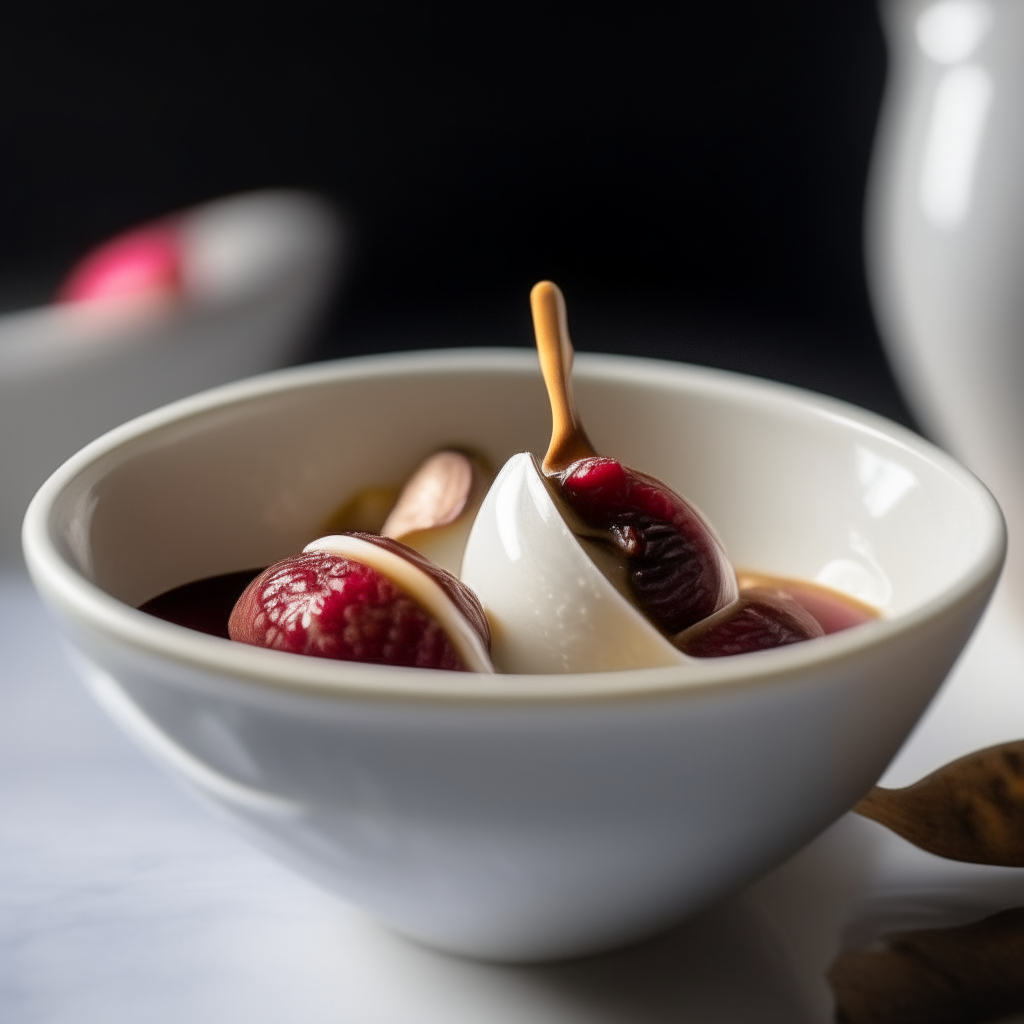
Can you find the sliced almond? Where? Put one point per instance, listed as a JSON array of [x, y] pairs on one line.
[[435, 510], [435, 495]]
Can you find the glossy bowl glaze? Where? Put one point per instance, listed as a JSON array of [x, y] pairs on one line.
[[517, 817]]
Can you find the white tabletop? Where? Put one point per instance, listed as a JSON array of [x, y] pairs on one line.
[[121, 901]]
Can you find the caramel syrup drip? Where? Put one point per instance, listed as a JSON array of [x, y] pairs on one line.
[[569, 441]]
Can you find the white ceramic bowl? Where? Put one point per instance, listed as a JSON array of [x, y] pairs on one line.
[[259, 269], [517, 817]]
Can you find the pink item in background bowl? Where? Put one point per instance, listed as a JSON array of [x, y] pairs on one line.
[[253, 271], [145, 262]]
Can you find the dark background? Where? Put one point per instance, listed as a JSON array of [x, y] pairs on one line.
[[692, 174]]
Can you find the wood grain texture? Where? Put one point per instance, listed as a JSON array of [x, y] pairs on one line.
[[969, 810], [966, 975]]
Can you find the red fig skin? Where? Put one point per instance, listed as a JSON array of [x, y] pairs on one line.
[[760, 619], [460, 595], [678, 571], [327, 606]]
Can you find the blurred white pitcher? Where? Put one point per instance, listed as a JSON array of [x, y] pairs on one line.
[[945, 232]]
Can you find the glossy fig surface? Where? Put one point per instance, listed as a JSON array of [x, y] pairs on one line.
[[677, 568], [358, 597], [758, 620]]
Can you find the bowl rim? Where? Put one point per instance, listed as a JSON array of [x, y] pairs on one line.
[[67, 589]]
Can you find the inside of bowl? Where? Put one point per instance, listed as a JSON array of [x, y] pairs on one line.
[[793, 486]]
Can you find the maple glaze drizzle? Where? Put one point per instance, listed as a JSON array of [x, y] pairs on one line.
[[569, 441]]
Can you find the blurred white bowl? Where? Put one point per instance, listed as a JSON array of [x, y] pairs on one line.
[[518, 816], [259, 269]]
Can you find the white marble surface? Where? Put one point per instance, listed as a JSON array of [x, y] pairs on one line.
[[121, 901]]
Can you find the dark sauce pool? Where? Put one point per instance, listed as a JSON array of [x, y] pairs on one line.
[[205, 605], [833, 610]]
